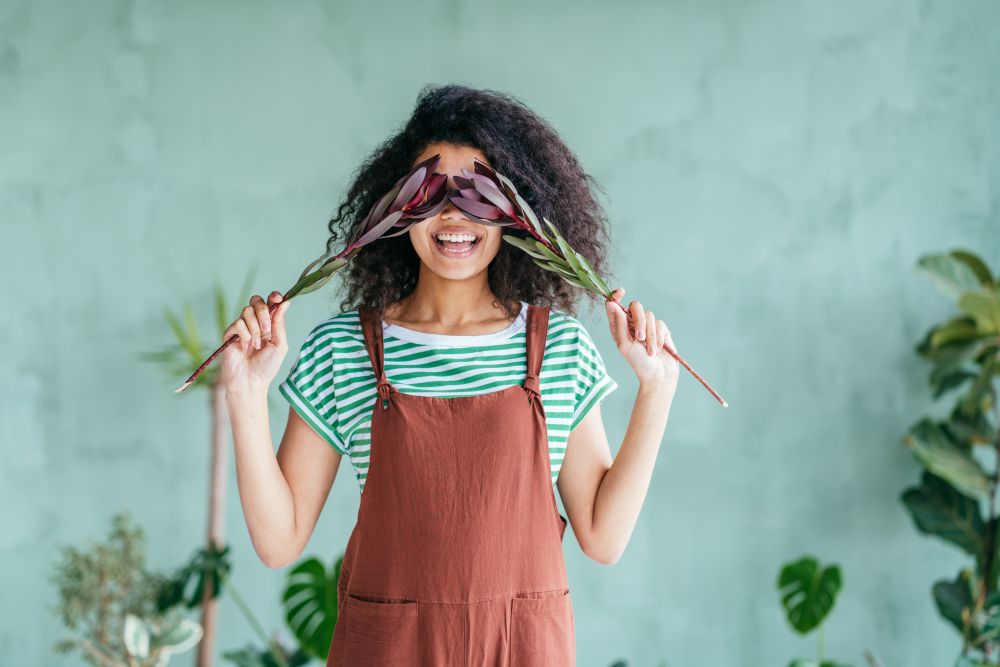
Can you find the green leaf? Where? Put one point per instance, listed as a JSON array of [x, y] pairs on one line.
[[532, 218], [984, 307], [980, 396], [808, 592], [971, 429], [527, 245], [569, 255], [317, 278], [311, 264], [939, 509], [221, 316], [192, 328], [949, 273], [959, 329], [953, 597], [560, 269], [939, 454], [974, 263], [595, 278], [310, 603], [542, 248]]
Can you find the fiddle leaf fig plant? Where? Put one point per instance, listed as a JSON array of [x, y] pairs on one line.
[[955, 500]]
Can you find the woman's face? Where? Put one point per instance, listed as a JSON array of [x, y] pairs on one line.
[[450, 244]]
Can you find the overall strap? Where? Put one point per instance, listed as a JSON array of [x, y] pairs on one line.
[[371, 326], [536, 331]]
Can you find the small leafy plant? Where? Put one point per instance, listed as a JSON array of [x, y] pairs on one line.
[[808, 593], [109, 600]]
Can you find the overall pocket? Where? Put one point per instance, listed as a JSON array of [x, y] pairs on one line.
[[379, 633], [541, 630]]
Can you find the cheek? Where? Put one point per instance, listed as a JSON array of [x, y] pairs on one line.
[[418, 238], [492, 243]]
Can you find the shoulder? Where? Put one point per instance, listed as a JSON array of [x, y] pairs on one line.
[[334, 332], [565, 327]]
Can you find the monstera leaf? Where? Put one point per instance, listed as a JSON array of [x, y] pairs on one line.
[[808, 592], [310, 601]]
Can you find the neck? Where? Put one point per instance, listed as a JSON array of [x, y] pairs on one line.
[[440, 305]]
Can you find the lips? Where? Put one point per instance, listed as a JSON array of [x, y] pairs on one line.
[[459, 245]]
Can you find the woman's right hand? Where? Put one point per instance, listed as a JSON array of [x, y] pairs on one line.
[[252, 362]]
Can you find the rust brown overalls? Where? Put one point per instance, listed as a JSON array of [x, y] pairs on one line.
[[456, 557]]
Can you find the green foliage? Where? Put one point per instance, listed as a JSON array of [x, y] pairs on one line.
[[210, 566], [183, 357], [109, 600], [956, 498], [273, 657], [310, 601], [808, 592]]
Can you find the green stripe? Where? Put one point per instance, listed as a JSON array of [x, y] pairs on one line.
[[333, 361]]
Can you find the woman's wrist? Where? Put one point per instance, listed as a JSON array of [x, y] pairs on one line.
[[657, 384], [245, 393]]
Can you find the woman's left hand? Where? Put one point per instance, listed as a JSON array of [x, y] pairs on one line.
[[644, 353]]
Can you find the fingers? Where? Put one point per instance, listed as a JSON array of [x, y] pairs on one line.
[[651, 339], [662, 336], [617, 321], [638, 314], [239, 327], [278, 320], [249, 316], [667, 338], [263, 314]]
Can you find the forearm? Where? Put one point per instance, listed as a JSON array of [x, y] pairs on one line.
[[623, 489], [265, 495]]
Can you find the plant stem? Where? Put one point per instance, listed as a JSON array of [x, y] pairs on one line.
[[819, 648], [628, 316], [251, 619]]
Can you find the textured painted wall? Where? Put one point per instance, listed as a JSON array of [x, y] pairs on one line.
[[773, 169]]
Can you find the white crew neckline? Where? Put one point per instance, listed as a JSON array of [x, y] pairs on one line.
[[450, 340]]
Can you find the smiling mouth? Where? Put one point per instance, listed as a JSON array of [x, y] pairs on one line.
[[456, 245]]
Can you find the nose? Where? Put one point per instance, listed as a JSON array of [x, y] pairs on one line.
[[450, 211]]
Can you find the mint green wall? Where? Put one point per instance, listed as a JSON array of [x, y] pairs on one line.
[[773, 171]]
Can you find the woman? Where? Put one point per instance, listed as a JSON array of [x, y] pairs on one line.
[[462, 389]]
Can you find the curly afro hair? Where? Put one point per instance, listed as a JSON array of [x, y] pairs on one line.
[[520, 145]]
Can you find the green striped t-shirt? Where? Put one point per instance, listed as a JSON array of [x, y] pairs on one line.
[[333, 388]]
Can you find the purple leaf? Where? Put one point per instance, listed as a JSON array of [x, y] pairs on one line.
[[376, 231], [487, 189], [409, 188], [477, 209]]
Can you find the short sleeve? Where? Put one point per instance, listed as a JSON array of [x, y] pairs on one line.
[[592, 380], [309, 387]]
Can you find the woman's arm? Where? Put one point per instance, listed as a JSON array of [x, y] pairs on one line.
[[603, 495], [282, 494]]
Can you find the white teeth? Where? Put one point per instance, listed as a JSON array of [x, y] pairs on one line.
[[456, 237]]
